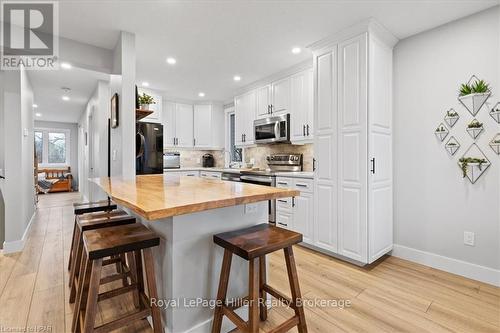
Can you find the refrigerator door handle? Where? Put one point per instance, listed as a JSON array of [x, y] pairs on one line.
[[140, 153]]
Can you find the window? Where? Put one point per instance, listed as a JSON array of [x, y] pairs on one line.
[[52, 147], [236, 153]]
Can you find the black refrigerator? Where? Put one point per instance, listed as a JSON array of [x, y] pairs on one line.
[[148, 148]]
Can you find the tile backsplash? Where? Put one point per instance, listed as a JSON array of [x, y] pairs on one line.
[[192, 158], [260, 152]]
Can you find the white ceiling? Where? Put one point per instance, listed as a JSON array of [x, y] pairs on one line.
[[214, 40], [48, 93]]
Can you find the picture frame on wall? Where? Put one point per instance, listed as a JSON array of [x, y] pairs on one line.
[[114, 111]]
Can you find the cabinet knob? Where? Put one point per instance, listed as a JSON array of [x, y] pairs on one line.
[[304, 130], [314, 164]]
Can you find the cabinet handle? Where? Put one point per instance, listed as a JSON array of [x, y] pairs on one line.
[[282, 183], [244, 138], [282, 224], [268, 109], [177, 141], [307, 130], [272, 108], [283, 201], [373, 165], [301, 185], [241, 137], [293, 201], [2, 177], [194, 142], [314, 164], [173, 140], [304, 130]]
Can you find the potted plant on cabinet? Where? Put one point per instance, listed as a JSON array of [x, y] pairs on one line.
[[495, 112], [451, 117], [441, 132], [145, 101], [474, 94], [474, 128], [495, 144]]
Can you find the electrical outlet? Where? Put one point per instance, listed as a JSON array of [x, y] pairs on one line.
[[469, 238], [114, 154], [251, 208]]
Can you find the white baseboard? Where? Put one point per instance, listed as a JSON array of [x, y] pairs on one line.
[[18, 245], [455, 266]]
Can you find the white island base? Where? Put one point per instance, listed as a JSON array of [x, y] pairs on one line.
[[188, 264]]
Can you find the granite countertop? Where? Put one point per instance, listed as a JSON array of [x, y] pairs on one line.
[[158, 196]]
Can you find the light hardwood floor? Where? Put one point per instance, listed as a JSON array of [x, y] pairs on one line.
[[392, 295]]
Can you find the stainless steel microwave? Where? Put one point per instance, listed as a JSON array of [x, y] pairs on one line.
[[272, 129]]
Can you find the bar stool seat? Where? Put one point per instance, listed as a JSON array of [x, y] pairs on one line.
[[89, 222], [115, 241], [253, 244]]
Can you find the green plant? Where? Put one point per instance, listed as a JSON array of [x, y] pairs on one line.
[[464, 162], [451, 144], [497, 109], [497, 141], [440, 129], [475, 124], [146, 99], [451, 113], [480, 86]]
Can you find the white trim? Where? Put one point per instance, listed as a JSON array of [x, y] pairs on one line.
[[455, 266], [18, 245], [45, 147]]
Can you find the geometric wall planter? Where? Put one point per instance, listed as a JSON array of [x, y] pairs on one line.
[[495, 112], [474, 101], [473, 163], [452, 146], [451, 117], [475, 128], [495, 144], [441, 132]]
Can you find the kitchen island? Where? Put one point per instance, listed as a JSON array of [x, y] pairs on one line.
[[186, 212]]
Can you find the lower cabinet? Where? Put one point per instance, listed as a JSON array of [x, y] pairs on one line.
[[297, 213], [210, 174]]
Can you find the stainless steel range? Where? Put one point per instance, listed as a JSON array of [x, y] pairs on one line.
[[276, 163]]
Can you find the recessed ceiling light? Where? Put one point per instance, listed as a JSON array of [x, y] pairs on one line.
[[65, 98], [296, 50], [237, 78], [38, 114], [66, 65], [201, 94], [35, 106], [171, 61], [145, 84]]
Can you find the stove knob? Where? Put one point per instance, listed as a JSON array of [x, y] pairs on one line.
[[268, 158]]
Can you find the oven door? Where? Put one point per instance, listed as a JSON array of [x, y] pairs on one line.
[[266, 181], [273, 129]]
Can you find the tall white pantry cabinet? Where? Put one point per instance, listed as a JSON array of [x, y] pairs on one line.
[[353, 143]]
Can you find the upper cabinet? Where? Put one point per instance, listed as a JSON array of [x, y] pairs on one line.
[[280, 102], [263, 102], [184, 125], [208, 126], [301, 107], [245, 110], [157, 108]]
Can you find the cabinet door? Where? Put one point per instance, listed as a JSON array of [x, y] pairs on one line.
[[263, 102], [284, 220], [325, 151], [281, 96], [168, 124], [303, 216], [298, 107], [309, 98], [184, 125], [353, 150], [202, 126], [250, 101], [239, 119]]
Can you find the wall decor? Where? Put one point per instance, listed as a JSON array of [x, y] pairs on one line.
[[474, 94], [495, 112], [495, 144], [114, 111], [441, 132], [452, 146], [451, 117], [474, 128], [473, 163]]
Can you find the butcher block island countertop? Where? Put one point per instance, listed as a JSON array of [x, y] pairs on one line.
[[158, 196]]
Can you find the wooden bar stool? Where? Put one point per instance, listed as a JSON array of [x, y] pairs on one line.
[[253, 244], [115, 241], [89, 222], [85, 208]]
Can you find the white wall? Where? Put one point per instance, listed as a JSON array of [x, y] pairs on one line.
[[73, 128], [433, 204], [18, 188]]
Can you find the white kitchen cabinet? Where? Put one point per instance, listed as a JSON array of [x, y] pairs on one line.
[[353, 143], [210, 174], [263, 101], [168, 124], [157, 108], [301, 107], [297, 213], [208, 126], [280, 102], [184, 125], [244, 106]]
